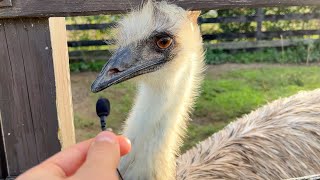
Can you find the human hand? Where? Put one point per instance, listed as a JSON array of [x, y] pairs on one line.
[[97, 158]]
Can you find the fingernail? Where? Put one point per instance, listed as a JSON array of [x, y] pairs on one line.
[[128, 141], [106, 136]]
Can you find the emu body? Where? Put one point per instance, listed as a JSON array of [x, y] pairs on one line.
[[161, 45], [278, 141]]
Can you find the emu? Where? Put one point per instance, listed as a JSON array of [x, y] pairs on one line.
[[160, 44]]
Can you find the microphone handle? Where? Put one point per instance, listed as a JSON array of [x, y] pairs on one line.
[[103, 123]]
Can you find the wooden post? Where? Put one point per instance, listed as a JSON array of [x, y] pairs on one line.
[[259, 15], [35, 92], [58, 34]]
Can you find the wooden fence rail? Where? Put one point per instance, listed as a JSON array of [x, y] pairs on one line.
[[208, 37], [90, 26], [239, 19], [228, 41]]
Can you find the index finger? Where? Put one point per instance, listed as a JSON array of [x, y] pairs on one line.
[[72, 158]]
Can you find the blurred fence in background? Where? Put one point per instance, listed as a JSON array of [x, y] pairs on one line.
[[253, 34]]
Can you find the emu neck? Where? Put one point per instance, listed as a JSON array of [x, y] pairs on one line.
[[157, 122]]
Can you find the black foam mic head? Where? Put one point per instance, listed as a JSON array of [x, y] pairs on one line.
[[103, 107]]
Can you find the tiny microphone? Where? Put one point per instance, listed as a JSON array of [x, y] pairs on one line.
[[103, 111]]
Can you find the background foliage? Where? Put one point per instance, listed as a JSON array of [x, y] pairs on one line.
[[298, 54]]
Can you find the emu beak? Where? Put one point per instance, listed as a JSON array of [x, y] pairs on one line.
[[123, 65]]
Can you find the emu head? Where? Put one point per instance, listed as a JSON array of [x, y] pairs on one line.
[[151, 41]]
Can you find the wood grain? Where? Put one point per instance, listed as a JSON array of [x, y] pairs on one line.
[[27, 93], [5, 3], [62, 78], [61, 8]]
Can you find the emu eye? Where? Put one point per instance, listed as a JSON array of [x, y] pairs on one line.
[[164, 42]]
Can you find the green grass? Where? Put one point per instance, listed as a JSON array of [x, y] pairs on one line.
[[233, 94], [223, 98]]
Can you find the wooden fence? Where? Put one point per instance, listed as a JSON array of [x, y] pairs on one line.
[[227, 41], [35, 93]]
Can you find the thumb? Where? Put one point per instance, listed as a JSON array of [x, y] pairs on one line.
[[102, 158]]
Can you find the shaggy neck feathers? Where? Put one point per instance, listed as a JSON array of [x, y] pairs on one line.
[[158, 119]]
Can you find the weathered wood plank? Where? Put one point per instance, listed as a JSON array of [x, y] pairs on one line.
[[29, 105], [3, 92], [16, 117], [5, 3], [62, 78], [41, 84], [51, 8], [3, 100]]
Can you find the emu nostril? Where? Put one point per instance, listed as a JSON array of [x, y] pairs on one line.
[[113, 71]]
